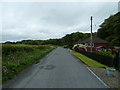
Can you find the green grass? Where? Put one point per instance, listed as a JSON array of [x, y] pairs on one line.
[[88, 61], [16, 58]]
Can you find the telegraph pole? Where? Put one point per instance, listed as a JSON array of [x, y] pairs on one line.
[[91, 33]]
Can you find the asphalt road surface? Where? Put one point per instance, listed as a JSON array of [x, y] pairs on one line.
[[59, 69]]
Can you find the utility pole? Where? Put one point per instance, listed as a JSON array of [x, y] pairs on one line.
[[91, 33]]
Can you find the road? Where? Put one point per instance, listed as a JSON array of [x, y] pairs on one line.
[[59, 69]]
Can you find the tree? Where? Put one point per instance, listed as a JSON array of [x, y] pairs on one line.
[[110, 30]]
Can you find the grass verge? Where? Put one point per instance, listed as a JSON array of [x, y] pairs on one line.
[[88, 61], [16, 58]]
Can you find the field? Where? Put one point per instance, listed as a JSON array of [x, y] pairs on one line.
[[16, 58]]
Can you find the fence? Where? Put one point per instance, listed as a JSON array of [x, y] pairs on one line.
[[106, 60], [117, 61]]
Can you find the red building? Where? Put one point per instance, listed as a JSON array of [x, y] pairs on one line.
[[98, 44]]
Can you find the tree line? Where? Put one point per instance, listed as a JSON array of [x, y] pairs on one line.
[[69, 40]]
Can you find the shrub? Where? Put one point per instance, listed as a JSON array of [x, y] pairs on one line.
[[106, 53], [16, 58]]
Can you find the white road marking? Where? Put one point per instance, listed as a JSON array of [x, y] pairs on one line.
[[98, 77]]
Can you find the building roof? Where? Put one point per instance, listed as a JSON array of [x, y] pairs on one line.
[[95, 40]]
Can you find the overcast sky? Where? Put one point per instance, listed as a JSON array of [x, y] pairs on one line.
[[44, 20]]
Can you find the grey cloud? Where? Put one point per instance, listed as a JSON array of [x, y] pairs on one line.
[[45, 20]]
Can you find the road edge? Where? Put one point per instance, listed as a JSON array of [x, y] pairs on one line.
[[92, 72], [98, 77]]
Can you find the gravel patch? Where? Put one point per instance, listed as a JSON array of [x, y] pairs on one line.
[[111, 81]]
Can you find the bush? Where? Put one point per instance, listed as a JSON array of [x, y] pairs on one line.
[[16, 58], [106, 53], [10, 48]]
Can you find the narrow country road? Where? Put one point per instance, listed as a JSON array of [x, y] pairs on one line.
[[59, 69]]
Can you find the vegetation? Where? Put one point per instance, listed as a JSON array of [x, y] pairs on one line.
[[88, 61], [107, 53], [16, 58], [110, 30], [69, 40]]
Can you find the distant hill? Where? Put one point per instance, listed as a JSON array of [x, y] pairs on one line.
[[110, 30], [69, 40]]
